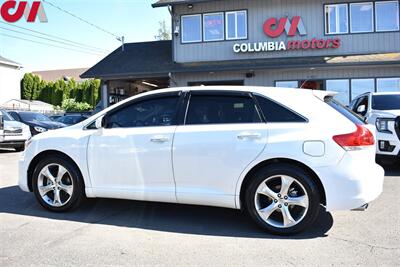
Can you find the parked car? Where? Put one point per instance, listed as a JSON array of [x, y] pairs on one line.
[[71, 119], [55, 117], [14, 133], [37, 122], [383, 111], [263, 150]]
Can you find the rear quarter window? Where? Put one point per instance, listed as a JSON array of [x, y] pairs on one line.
[[348, 113], [274, 112]]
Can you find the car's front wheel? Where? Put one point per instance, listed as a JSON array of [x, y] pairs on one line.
[[282, 199], [57, 184]]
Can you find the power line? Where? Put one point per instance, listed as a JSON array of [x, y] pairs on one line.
[[56, 37], [48, 39], [47, 44], [81, 19]]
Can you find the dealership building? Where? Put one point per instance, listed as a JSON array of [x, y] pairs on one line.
[[349, 47]]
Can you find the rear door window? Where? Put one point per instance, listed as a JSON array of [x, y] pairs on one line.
[[221, 109]]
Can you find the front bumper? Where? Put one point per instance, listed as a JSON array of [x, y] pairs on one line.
[[352, 183], [12, 144], [23, 174]]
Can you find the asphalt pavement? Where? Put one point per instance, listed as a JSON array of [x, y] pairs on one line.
[[106, 232]]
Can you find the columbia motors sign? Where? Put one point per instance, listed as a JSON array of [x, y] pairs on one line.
[[274, 28], [12, 11]]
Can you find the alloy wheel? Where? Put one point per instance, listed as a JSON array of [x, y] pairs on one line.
[[281, 201], [55, 185]]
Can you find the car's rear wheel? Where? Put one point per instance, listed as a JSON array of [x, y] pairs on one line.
[[282, 199], [57, 184]]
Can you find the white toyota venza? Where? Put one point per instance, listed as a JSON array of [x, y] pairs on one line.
[[279, 154]]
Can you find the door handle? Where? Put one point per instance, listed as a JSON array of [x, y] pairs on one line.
[[159, 139], [249, 136]]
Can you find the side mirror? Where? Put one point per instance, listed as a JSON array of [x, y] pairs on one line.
[[100, 122], [361, 109]]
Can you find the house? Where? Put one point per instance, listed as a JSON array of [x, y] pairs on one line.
[[10, 80], [28, 105], [349, 47], [65, 74]]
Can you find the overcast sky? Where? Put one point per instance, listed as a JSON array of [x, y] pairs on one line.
[[135, 19]]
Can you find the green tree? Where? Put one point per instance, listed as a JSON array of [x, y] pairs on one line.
[[163, 33]]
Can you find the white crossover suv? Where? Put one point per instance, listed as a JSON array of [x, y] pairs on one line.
[[14, 133], [279, 154], [383, 111]]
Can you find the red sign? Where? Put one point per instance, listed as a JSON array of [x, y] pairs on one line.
[[274, 28], [12, 11]]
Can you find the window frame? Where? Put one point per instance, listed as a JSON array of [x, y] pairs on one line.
[[204, 25], [235, 12], [376, 15], [178, 117], [221, 94], [265, 118], [201, 28], [277, 81], [372, 17], [326, 18]]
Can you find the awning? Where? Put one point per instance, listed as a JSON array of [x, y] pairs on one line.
[[154, 60]]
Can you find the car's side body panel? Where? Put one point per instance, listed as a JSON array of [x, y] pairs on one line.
[[207, 164], [131, 163], [208, 159]]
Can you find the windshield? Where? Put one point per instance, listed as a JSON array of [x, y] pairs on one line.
[[386, 102], [6, 116], [30, 116]]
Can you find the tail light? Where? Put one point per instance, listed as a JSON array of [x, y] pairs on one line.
[[355, 141]]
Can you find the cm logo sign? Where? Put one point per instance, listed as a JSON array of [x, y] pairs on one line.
[[12, 11], [274, 27]]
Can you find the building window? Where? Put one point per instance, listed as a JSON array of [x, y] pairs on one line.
[[236, 25], [191, 28], [361, 86], [388, 84], [361, 17], [287, 84], [342, 87], [213, 26], [387, 16], [336, 19]]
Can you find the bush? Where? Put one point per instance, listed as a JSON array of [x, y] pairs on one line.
[[85, 94], [72, 106]]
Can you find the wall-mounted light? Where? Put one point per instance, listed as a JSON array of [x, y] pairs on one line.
[[250, 74], [190, 6]]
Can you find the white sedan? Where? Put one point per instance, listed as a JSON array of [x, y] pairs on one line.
[[277, 153]]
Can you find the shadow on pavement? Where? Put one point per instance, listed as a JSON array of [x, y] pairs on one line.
[[176, 218]]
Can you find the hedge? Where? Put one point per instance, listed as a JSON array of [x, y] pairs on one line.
[[86, 92]]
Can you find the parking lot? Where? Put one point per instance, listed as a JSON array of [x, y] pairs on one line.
[[119, 232]]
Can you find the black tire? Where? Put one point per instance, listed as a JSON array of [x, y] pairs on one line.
[[303, 178], [78, 192]]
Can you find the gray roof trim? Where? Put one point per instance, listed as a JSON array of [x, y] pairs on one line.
[[6, 61], [162, 3]]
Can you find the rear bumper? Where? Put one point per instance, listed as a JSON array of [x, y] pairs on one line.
[[352, 184]]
